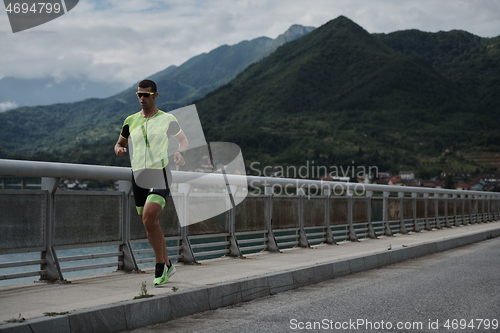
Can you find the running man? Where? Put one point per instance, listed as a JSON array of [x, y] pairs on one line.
[[148, 133]]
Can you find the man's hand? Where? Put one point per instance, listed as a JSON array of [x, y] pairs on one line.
[[120, 151], [179, 159]]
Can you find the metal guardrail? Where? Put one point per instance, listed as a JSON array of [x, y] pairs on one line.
[[309, 213]]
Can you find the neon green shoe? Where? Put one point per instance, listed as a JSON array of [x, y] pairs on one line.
[[165, 275]]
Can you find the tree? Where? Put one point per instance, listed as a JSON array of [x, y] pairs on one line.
[[448, 182]]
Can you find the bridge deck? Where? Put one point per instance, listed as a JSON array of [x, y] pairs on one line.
[[105, 303]]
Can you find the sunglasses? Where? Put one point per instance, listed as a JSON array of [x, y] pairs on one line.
[[144, 94]]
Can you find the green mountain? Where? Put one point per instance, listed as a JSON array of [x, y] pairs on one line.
[[340, 96], [208, 71], [60, 128], [471, 62], [337, 96]]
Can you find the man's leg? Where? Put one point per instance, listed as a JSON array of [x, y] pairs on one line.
[[151, 219]]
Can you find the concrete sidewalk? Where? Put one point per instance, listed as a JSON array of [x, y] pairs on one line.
[[105, 303]]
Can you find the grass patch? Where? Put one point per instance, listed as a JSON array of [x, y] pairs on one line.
[[144, 292], [16, 320], [53, 314]]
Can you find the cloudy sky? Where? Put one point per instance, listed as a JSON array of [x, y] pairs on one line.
[[127, 40]]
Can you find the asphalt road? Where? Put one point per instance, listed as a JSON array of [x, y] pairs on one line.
[[452, 291]]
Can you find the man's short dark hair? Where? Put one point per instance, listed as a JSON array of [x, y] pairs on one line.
[[148, 84]]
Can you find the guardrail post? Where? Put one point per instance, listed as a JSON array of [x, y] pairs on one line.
[[426, 219], [268, 190], [455, 217], [186, 251], [128, 258], [471, 208], [385, 212], [350, 206], [479, 216], [490, 208], [496, 209], [416, 227], [483, 210], [436, 205], [486, 208], [476, 208], [446, 215], [497, 205], [402, 226], [303, 242], [371, 231], [490, 203], [233, 191], [479, 211], [463, 200], [328, 230], [51, 266], [493, 208], [272, 245], [465, 215], [234, 249]]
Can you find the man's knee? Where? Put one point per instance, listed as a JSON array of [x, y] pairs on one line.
[[149, 221], [151, 214]]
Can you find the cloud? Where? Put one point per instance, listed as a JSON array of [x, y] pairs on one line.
[[8, 105], [480, 17], [125, 40]]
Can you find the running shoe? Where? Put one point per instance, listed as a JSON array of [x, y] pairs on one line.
[[162, 276]]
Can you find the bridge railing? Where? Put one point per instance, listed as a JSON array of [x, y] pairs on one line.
[[277, 214]]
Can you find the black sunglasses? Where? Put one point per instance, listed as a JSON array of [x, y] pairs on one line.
[[144, 94]]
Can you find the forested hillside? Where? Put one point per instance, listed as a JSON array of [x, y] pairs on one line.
[[340, 96], [336, 96]]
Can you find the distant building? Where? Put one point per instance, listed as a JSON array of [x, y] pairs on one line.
[[462, 186], [447, 172], [492, 187], [477, 187], [435, 184], [407, 175], [439, 184], [396, 180], [383, 175]]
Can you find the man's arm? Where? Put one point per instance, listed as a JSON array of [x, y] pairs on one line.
[[120, 146], [183, 146]]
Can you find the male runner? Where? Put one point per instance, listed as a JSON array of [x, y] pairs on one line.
[[148, 132]]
